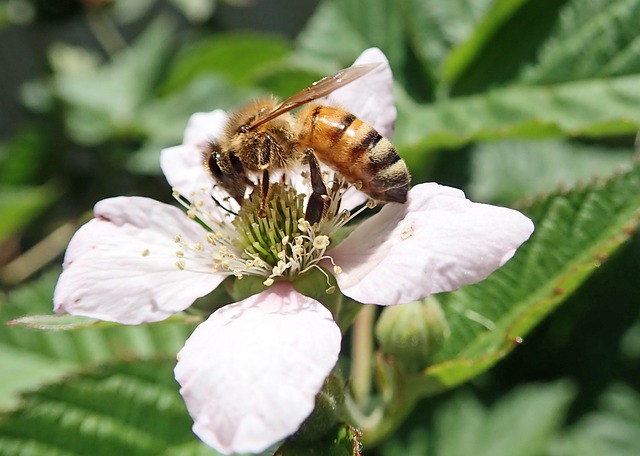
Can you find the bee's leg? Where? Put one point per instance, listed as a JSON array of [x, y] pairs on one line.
[[265, 192], [319, 199]]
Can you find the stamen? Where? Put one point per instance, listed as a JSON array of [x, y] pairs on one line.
[[282, 243]]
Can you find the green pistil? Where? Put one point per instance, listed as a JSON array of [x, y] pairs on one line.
[[262, 236]]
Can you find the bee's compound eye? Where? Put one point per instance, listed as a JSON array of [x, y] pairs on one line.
[[236, 163], [212, 162]]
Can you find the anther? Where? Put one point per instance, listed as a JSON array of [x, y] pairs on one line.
[[321, 242]]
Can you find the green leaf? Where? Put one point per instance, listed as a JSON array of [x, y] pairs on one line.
[[163, 120], [20, 205], [340, 30], [521, 423], [576, 231], [53, 322], [593, 108], [238, 57], [506, 171], [436, 27], [284, 81], [21, 157], [327, 27], [579, 229], [105, 101], [123, 408], [34, 356], [612, 429], [473, 23], [593, 39]]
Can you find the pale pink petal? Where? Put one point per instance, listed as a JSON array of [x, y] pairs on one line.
[[183, 165], [121, 266], [371, 97], [204, 127], [250, 373], [437, 241]]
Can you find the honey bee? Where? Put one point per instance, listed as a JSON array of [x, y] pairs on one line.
[[265, 136]]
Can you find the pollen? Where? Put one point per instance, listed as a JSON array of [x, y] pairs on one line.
[[407, 232]]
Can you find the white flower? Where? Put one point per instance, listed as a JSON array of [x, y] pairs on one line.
[[249, 374]]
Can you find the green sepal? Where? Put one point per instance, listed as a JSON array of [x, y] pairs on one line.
[[249, 285], [324, 431], [316, 284], [327, 414]]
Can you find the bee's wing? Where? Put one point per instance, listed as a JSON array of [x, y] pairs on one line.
[[317, 90]]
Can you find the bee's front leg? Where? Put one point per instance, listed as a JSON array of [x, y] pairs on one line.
[[319, 199]]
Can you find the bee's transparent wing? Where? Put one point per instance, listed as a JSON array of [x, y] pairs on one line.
[[317, 90], [370, 98]]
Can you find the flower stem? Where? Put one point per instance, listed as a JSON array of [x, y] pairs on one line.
[[362, 358]]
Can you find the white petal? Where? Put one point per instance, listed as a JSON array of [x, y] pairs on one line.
[[204, 127], [437, 241], [371, 97], [121, 266], [250, 373], [183, 166]]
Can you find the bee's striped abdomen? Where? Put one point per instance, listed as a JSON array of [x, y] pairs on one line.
[[357, 151]]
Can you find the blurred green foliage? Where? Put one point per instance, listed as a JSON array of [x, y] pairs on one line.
[[526, 103]]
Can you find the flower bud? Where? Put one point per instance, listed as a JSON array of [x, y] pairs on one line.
[[412, 332]]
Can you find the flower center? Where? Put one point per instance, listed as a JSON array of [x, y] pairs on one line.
[[281, 243], [264, 236], [283, 239]]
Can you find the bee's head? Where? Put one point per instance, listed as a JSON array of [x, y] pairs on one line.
[[227, 169]]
